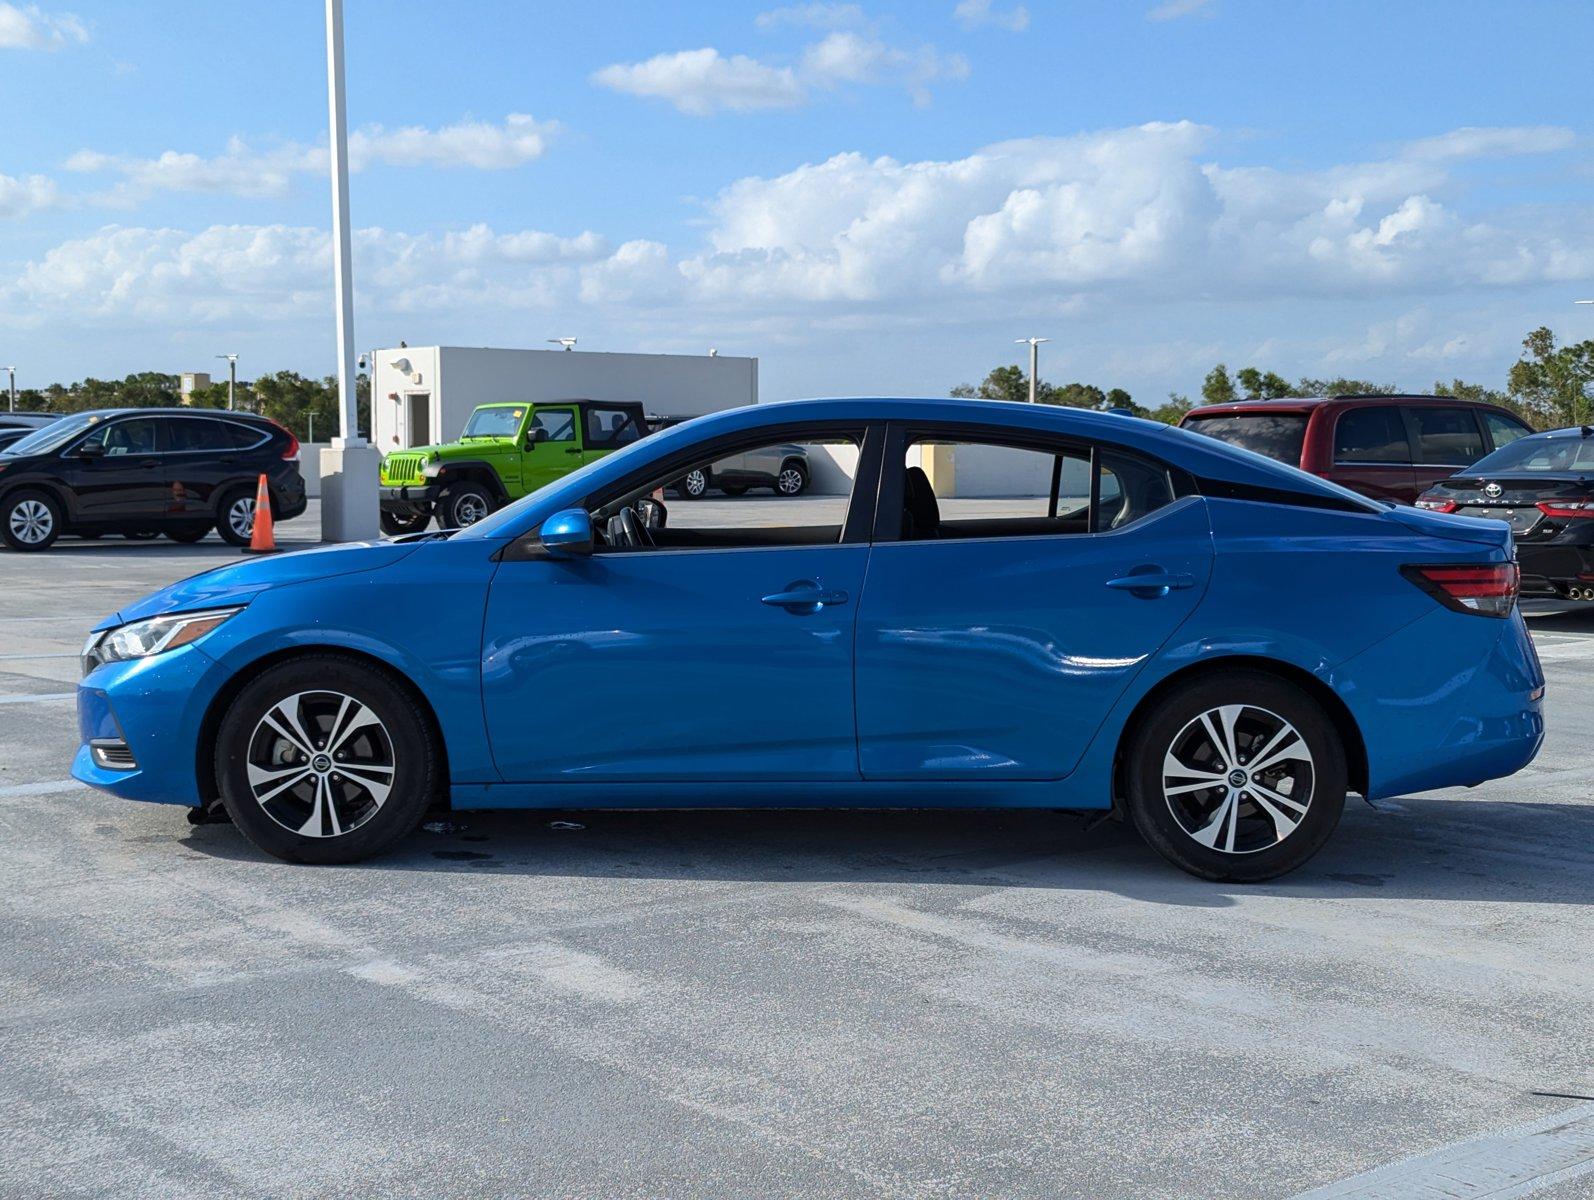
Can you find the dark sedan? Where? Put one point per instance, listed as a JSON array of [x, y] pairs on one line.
[[1543, 487]]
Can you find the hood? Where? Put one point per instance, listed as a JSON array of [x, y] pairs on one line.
[[1479, 530], [240, 582]]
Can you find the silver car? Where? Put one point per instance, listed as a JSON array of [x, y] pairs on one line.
[[782, 469]]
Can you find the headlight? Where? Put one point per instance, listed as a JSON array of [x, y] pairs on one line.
[[140, 639]]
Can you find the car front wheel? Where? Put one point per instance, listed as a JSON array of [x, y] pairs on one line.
[[325, 760], [30, 520], [464, 505], [1237, 776], [791, 481], [693, 485]]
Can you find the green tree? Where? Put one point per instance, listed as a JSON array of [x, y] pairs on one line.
[[1003, 383], [1263, 385], [1217, 387], [1079, 395], [1172, 412], [1344, 387], [1552, 382]]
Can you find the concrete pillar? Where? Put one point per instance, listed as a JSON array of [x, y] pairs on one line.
[[349, 502]]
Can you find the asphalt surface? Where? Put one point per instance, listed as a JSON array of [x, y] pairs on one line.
[[770, 1004]]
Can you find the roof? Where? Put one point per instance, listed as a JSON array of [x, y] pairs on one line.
[[1307, 403]]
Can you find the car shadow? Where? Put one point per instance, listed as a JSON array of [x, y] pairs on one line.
[[1414, 848]]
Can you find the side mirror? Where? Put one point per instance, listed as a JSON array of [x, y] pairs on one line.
[[91, 450], [567, 534], [535, 436]]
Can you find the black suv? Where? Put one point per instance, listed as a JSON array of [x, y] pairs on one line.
[[146, 471]]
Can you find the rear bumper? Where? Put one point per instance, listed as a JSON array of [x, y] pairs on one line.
[[1548, 569], [408, 500]]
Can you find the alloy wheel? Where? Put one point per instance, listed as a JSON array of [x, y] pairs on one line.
[[320, 764], [468, 510], [789, 481], [241, 516], [695, 483], [32, 522], [1238, 779]]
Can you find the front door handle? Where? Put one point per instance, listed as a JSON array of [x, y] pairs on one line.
[[804, 597], [1151, 583], [573, 450]]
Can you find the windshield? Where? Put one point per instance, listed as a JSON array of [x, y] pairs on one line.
[[494, 422], [1559, 455], [54, 435], [1278, 436]]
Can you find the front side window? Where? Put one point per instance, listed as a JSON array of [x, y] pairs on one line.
[[1371, 435], [611, 426], [956, 488], [140, 435], [675, 512], [1447, 436], [557, 425]]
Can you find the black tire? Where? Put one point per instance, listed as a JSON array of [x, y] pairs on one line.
[[188, 534], [694, 485], [30, 520], [737, 490], [792, 479], [464, 504], [315, 686], [229, 519], [1265, 843], [394, 525]]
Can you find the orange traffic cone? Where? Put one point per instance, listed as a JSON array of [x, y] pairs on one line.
[[261, 538]]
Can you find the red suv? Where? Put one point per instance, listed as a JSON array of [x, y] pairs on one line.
[[1387, 447]]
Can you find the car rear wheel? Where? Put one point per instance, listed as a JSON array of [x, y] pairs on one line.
[[1237, 776], [324, 760], [464, 505], [393, 525], [235, 516], [791, 481], [30, 520]]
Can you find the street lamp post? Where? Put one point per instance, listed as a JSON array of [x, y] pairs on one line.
[[12, 389], [1034, 359], [350, 464], [232, 379]]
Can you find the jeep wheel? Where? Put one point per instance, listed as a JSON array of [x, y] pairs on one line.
[[464, 505], [394, 525]]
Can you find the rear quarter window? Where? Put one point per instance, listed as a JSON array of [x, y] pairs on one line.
[[1279, 436], [1371, 435]]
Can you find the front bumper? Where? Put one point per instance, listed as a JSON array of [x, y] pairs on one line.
[[408, 500]]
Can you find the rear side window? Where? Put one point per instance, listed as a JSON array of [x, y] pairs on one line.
[[194, 433], [1371, 435], [611, 426], [1503, 430], [1277, 435], [1446, 436]]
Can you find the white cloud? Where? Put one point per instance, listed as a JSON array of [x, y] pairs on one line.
[[974, 13], [700, 82], [1172, 10], [519, 140], [1473, 142], [30, 28], [814, 16], [24, 197]]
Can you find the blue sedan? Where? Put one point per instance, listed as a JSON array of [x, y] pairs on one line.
[[974, 604]]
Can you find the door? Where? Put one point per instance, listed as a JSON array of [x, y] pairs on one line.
[[1373, 454], [418, 418], [204, 455], [995, 634], [552, 446], [715, 648], [120, 471]]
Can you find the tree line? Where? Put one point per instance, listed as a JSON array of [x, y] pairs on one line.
[[290, 399], [1549, 386]]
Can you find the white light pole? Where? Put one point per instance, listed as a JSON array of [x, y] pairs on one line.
[[12, 372], [232, 379], [1034, 357], [349, 466]]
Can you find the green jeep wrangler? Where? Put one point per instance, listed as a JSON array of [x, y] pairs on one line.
[[506, 451]]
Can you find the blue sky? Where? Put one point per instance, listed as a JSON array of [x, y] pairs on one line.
[[871, 198]]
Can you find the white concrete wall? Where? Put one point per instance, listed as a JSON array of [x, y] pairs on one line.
[[461, 377], [310, 467], [831, 469]]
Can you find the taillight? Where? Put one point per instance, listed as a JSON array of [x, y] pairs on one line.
[[291, 454], [1433, 505], [1486, 589], [1566, 510]]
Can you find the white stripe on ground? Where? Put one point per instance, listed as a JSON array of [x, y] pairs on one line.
[[39, 789], [1557, 651], [1496, 1166], [17, 657], [35, 697]]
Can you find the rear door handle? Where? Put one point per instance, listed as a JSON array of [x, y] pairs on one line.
[[808, 598], [1151, 585]]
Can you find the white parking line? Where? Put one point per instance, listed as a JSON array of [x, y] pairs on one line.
[[35, 697], [1499, 1166], [39, 789], [1563, 651]]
